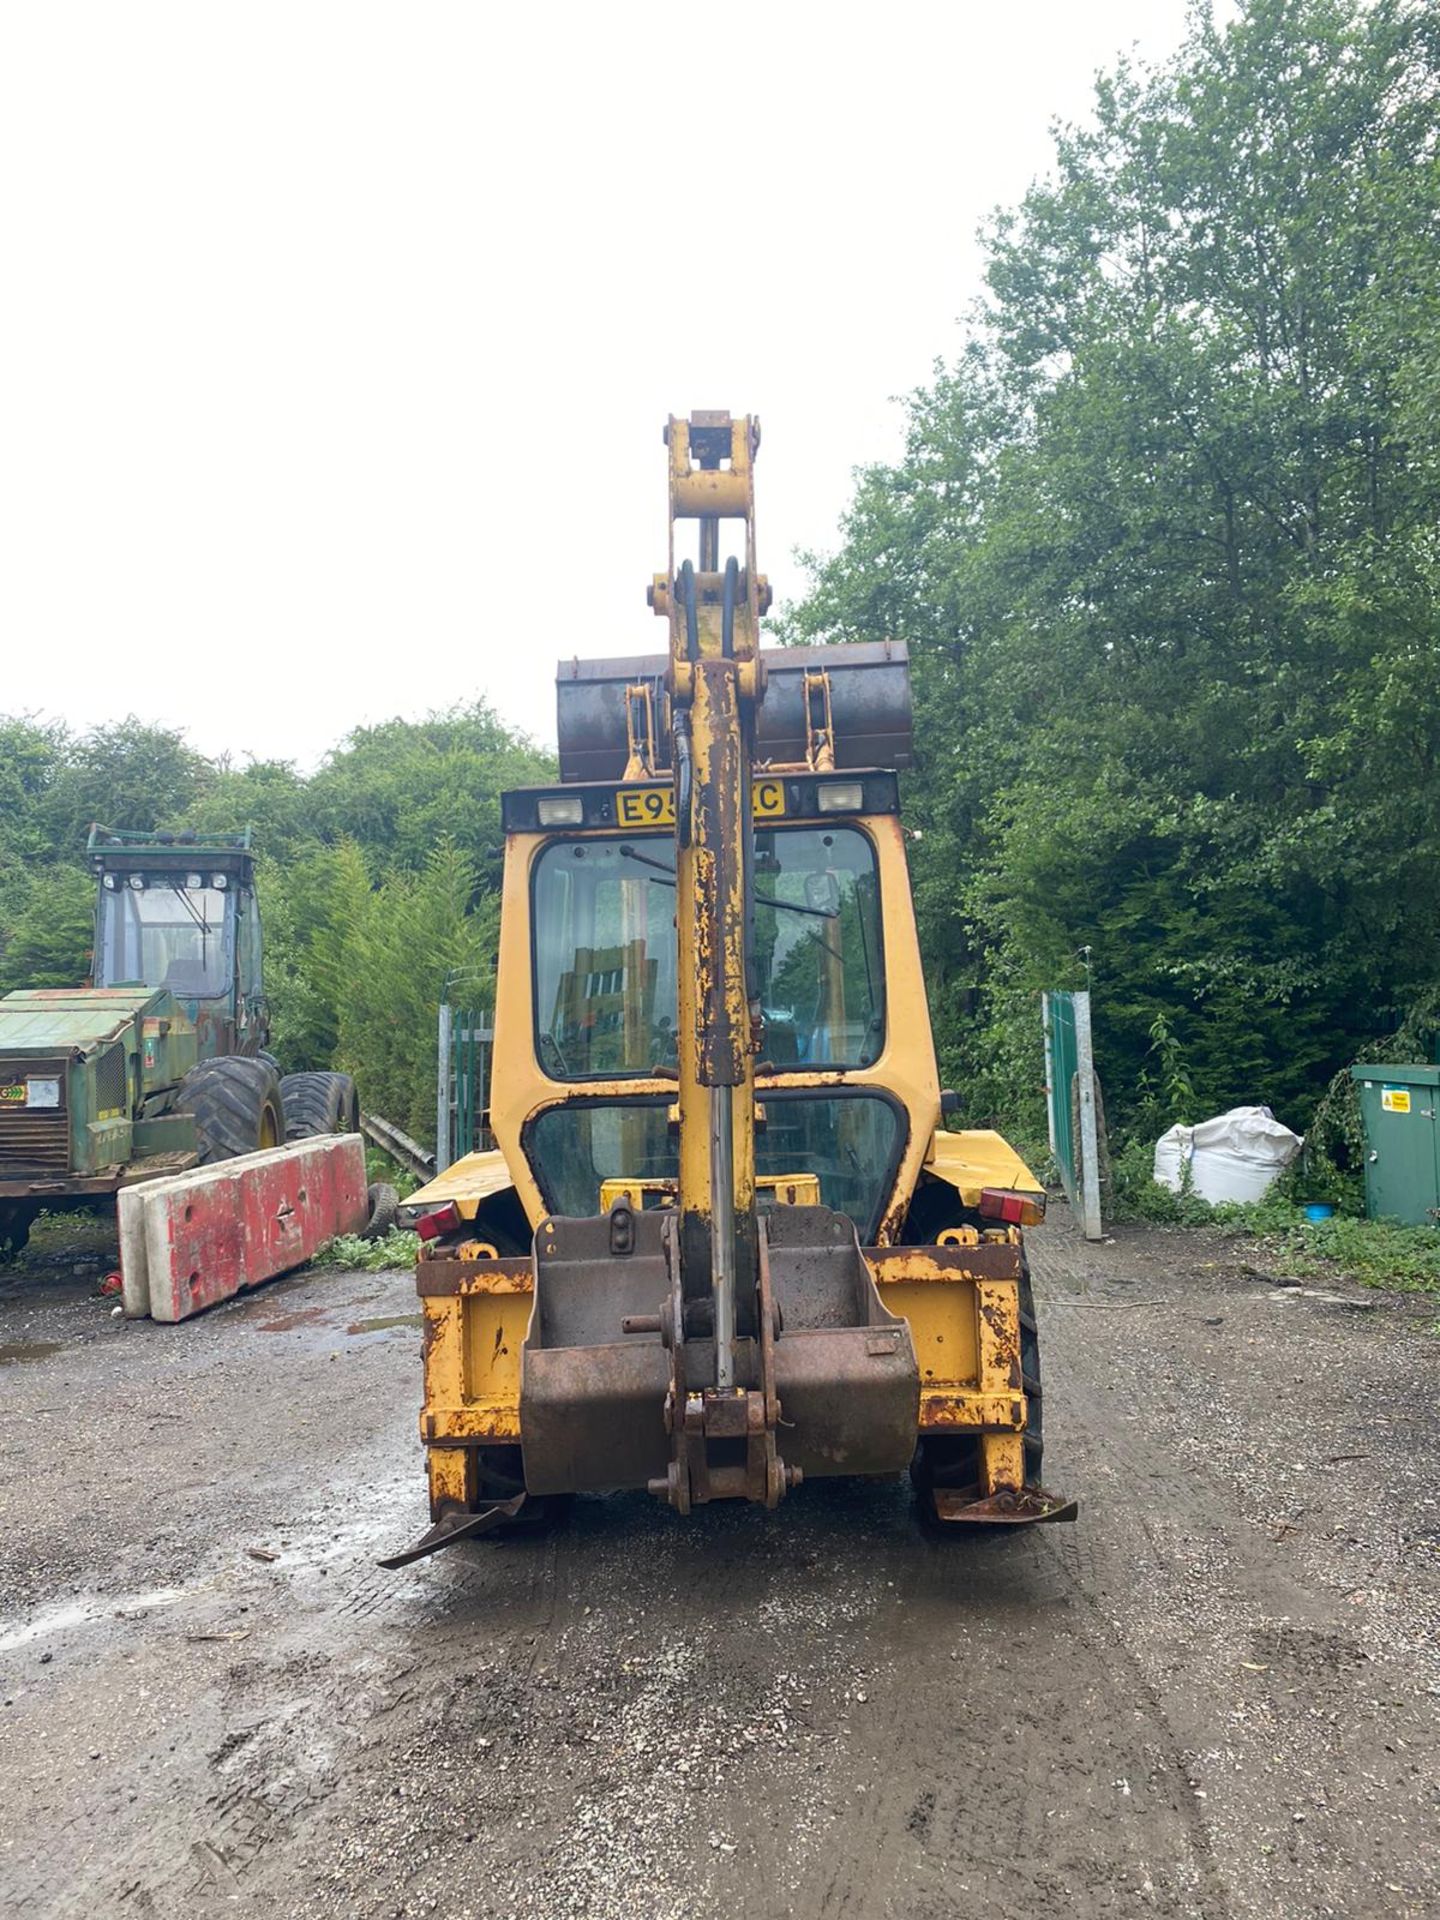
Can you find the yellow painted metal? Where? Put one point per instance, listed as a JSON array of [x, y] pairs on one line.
[[640, 731], [976, 1159], [905, 1067], [819, 723], [467, 1182], [942, 1326], [945, 1411], [1002, 1463], [473, 1342], [786, 1189], [966, 1331], [452, 1477]]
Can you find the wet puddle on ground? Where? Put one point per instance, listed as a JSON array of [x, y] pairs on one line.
[[322, 1320], [28, 1350], [287, 1322]]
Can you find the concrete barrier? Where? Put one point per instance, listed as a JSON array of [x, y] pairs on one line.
[[204, 1236]]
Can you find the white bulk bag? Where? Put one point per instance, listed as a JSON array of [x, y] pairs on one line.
[[1235, 1156]]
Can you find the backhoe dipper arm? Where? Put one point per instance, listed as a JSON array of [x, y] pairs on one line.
[[715, 683]]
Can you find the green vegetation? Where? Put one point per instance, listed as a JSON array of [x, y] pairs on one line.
[[1377, 1253], [1163, 544], [379, 873], [399, 1248]]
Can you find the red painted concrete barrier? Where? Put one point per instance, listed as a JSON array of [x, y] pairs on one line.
[[201, 1237]]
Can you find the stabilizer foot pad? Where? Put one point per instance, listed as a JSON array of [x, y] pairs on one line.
[[452, 1527], [1022, 1509]]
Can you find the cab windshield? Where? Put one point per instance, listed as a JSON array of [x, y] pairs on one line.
[[166, 935], [605, 953]]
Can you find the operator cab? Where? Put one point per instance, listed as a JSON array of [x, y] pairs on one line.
[[604, 998], [179, 912]]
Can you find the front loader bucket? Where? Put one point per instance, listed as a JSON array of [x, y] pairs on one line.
[[609, 1397]]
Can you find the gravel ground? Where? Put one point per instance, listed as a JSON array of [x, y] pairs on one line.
[[1215, 1695]]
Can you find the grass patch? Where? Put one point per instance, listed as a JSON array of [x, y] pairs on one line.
[[1376, 1253], [399, 1248]]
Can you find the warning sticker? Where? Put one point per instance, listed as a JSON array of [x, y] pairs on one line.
[[1395, 1099]]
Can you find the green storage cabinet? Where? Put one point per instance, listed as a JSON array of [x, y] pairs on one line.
[[1402, 1143]]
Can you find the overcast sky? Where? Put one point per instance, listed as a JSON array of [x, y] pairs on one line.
[[338, 339]]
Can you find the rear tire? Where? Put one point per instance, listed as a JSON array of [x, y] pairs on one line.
[[236, 1107], [319, 1103], [16, 1219]]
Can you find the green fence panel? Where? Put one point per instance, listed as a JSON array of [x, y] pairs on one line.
[[1071, 1101], [1061, 1065]]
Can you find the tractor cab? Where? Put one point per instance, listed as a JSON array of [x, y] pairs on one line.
[[179, 911], [593, 1054]]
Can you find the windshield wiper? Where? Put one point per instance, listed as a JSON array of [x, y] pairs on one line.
[[627, 852], [789, 906]]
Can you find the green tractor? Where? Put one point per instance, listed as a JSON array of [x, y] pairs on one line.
[[160, 1064]]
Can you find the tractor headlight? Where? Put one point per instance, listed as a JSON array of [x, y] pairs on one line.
[[560, 810], [840, 796]]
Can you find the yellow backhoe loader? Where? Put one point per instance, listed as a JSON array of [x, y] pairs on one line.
[[725, 1243]]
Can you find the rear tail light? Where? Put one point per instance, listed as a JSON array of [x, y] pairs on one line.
[[444, 1219], [1012, 1208]]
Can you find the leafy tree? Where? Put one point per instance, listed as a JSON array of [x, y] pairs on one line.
[[129, 775], [268, 796], [48, 942], [1163, 543], [405, 785], [398, 944]]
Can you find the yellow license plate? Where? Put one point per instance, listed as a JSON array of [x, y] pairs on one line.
[[645, 807], [655, 806]]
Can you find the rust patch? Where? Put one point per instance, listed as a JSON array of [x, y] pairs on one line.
[[891, 1265], [441, 1279]]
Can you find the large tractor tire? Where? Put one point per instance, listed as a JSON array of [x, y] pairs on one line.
[[236, 1107], [956, 1462], [319, 1103], [16, 1219]]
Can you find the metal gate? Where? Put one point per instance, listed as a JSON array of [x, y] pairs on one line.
[[1070, 1104], [463, 1078]]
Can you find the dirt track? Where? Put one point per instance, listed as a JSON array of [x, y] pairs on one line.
[[1218, 1694]]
